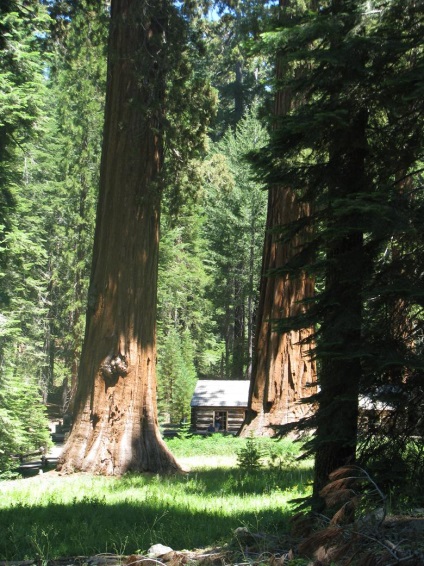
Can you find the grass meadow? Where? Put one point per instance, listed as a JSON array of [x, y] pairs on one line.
[[51, 516]]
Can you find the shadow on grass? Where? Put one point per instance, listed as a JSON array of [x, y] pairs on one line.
[[92, 526], [231, 481], [129, 514]]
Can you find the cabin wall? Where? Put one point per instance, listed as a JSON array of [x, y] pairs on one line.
[[202, 417], [235, 419]]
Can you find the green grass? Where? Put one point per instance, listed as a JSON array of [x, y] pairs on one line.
[[222, 445], [51, 516]]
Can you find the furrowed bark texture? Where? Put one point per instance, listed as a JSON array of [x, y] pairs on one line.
[[115, 422], [282, 374]]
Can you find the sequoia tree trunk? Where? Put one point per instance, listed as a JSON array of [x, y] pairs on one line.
[[115, 422], [283, 372]]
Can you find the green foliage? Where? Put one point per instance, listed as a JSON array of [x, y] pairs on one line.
[[239, 72], [23, 293], [228, 445], [189, 106], [250, 457], [353, 147], [183, 277], [185, 430], [184, 299], [22, 416], [198, 281], [176, 376], [197, 445], [234, 228], [50, 135], [398, 469], [72, 156], [21, 102], [21, 85], [257, 453]]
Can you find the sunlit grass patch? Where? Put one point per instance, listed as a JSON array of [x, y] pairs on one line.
[[51, 516]]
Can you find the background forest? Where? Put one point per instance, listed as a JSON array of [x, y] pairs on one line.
[[349, 146], [53, 65]]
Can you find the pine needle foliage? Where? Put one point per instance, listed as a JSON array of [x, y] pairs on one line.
[[249, 457], [72, 150], [353, 147], [234, 227], [23, 295], [176, 376]]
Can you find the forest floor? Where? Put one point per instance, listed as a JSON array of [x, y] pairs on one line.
[[370, 541], [398, 540]]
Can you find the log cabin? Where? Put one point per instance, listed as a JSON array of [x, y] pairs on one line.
[[219, 405]]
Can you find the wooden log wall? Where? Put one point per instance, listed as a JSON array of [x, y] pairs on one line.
[[202, 417]]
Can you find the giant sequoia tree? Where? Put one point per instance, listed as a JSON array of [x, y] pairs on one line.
[[283, 372], [353, 148], [115, 425]]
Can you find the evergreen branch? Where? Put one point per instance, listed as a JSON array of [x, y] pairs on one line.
[[17, 142]]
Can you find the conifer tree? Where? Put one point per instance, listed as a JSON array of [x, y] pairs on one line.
[[22, 257], [283, 375], [238, 71], [21, 98], [116, 417], [235, 215], [183, 280], [176, 376], [348, 148], [77, 90]]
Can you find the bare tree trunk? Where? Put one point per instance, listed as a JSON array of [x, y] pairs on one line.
[[238, 93], [250, 302], [237, 366], [77, 313], [282, 374], [115, 426]]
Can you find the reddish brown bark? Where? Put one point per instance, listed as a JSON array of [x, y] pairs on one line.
[[283, 374], [115, 422]]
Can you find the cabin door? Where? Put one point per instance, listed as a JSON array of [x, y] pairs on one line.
[[220, 420]]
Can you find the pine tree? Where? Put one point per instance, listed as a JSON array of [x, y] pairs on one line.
[[24, 427], [21, 83], [235, 215], [22, 255], [176, 376], [77, 90], [238, 71], [346, 148], [183, 279]]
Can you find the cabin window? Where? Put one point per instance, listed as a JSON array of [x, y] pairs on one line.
[[220, 420]]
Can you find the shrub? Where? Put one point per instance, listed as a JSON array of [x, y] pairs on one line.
[[250, 457]]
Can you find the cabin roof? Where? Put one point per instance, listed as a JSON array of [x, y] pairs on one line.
[[221, 393]]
